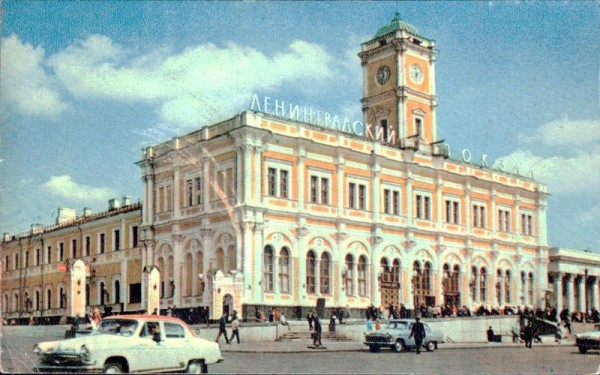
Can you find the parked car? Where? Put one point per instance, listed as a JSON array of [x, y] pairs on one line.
[[130, 343], [588, 340], [396, 337]]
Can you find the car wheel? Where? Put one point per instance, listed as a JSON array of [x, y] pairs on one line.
[[113, 368], [373, 348], [398, 346], [194, 367], [583, 349], [430, 346]]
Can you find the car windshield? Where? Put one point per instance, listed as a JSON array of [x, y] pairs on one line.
[[398, 325], [124, 327]]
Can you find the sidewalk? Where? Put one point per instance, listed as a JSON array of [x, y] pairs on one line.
[[302, 346]]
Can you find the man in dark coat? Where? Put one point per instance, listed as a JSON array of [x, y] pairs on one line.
[[318, 330], [528, 333], [223, 328], [418, 331]]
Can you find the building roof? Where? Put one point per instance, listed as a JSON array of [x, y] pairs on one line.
[[396, 24]]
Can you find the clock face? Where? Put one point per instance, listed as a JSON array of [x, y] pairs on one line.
[[416, 74], [383, 74]]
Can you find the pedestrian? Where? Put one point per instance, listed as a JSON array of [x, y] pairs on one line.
[[558, 334], [490, 334], [515, 333], [222, 328], [284, 321], [418, 331], [96, 318], [568, 323], [317, 332], [332, 323], [275, 315], [271, 315], [310, 319], [235, 330], [369, 324], [169, 311], [528, 333]]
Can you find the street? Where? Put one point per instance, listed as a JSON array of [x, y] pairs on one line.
[[17, 356]]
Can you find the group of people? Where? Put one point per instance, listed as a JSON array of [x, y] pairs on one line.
[[235, 327]]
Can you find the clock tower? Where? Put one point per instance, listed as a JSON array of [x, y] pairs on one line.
[[399, 101]]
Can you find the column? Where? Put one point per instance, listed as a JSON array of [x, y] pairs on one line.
[[582, 294], [247, 259], [373, 268], [409, 209], [206, 189], [571, 293], [517, 215], [439, 198], [300, 178], [318, 274], [595, 304], [468, 209], [493, 224], [247, 173], [375, 189], [558, 291], [502, 280], [541, 205], [340, 185], [176, 191], [256, 186], [477, 294], [177, 255], [257, 257]]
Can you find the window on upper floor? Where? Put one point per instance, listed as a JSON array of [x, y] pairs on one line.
[[419, 127], [74, 248], [38, 254], [199, 190], [391, 201], [134, 236], [527, 224], [26, 259], [278, 182], [357, 195], [383, 123], [479, 216], [116, 240], [6, 263], [102, 243], [422, 206], [49, 254], [88, 245], [452, 211], [189, 188], [61, 252], [503, 220], [319, 189]]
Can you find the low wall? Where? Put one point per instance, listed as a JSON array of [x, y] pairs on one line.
[[471, 329], [248, 332]]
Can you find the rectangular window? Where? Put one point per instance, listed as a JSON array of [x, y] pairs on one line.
[[88, 245], [61, 252], [38, 255], [161, 197], [423, 207], [396, 203], [419, 127], [384, 127], [74, 248], [26, 259], [362, 197], [324, 190], [49, 254], [362, 279], [478, 216], [387, 194], [134, 236], [527, 224], [102, 242], [503, 220], [169, 198], [352, 195], [190, 192], [272, 182], [117, 239], [283, 183], [16, 261], [199, 190], [6, 263], [452, 211], [314, 182]]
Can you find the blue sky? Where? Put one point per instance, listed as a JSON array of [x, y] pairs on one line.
[[85, 85]]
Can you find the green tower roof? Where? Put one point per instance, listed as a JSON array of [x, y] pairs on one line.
[[396, 24]]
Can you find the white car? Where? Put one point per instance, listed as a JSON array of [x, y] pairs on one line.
[[588, 340], [131, 343]]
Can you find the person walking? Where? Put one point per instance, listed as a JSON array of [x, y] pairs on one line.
[[418, 331], [96, 318], [223, 329], [284, 321], [235, 330], [528, 335], [318, 331], [310, 318]]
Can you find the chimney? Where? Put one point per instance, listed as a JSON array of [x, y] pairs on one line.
[[37, 228], [114, 204], [64, 215], [87, 211], [126, 201], [6, 237]]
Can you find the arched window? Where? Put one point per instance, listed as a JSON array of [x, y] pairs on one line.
[[163, 271], [27, 301], [507, 285], [523, 286], [384, 270], [325, 273], [102, 293], [37, 299], [170, 273], [117, 291], [231, 258], [220, 260], [530, 288], [396, 271], [200, 271], [473, 283], [284, 270], [454, 280], [483, 285], [362, 276], [16, 302], [427, 278], [5, 302], [189, 275], [268, 269], [61, 298], [49, 299], [348, 276], [499, 282], [311, 266]]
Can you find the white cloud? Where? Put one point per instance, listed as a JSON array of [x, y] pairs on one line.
[[198, 85], [24, 84], [64, 186], [565, 132], [563, 175]]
